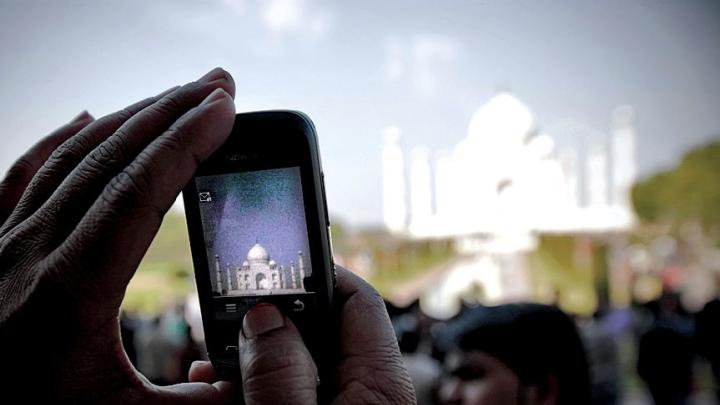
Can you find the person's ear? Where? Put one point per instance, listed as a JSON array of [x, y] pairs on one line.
[[549, 390], [545, 392]]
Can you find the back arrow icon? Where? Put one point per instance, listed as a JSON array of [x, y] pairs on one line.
[[299, 306]]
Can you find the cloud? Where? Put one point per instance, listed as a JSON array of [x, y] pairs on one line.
[[282, 19], [238, 6], [395, 59], [424, 61], [294, 16], [283, 15]]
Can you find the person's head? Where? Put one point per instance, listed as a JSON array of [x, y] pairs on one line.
[[514, 354]]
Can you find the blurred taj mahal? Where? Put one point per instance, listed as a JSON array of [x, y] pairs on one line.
[[259, 275], [505, 177], [501, 187]]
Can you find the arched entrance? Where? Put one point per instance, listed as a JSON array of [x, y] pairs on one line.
[[261, 282]]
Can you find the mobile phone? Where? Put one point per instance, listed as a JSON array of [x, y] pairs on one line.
[[259, 232]]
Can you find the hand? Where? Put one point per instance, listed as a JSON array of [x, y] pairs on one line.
[[276, 367], [78, 212]]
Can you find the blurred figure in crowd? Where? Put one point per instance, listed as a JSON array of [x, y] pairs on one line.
[[129, 325], [603, 359], [423, 369], [155, 352], [513, 354], [166, 348], [707, 336], [666, 353], [190, 352]]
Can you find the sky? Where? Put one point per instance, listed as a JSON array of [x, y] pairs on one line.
[[358, 67], [264, 207]]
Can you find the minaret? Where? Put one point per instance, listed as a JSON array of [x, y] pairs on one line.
[[301, 270], [597, 176], [445, 189], [624, 169], [420, 186], [289, 277], [232, 281], [218, 275], [568, 163], [394, 209]]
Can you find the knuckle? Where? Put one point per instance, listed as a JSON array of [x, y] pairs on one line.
[[15, 288], [288, 368], [19, 173], [115, 148], [60, 269], [22, 246], [69, 154], [107, 157], [119, 117], [169, 105], [371, 297], [93, 165], [176, 102], [18, 276], [126, 192], [173, 142], [275, 361], [372, 294]]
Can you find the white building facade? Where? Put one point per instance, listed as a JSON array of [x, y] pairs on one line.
[[499, 187], [259, 275]]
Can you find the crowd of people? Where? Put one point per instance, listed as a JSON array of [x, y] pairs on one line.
[[522, 352], [663, 344]]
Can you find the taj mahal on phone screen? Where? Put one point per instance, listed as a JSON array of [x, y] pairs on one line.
[[259, 275]]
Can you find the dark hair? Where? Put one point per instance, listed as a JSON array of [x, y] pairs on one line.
[[533, 340]]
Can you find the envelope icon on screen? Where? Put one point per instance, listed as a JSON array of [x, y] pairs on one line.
[[205, 196]]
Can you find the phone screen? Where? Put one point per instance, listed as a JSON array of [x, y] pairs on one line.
[[255, 233]]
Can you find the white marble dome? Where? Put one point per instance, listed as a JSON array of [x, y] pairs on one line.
[[502, 119], [258, 254]]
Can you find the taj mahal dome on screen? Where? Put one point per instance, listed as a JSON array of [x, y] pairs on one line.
[[259, 275]]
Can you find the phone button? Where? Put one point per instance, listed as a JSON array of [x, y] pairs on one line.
[[231, 349], [298, 305], [322, 188]]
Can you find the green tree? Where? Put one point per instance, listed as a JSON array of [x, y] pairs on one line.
[[689, 192]]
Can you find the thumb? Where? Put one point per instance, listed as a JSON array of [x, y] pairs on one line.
[[276, 366], [219, 393]]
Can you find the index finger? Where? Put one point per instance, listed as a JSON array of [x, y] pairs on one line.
[[361, 305], [20, 173], [371, 366], [100, 256]]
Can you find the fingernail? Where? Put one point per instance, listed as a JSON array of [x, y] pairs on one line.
[[83, 116], [262, 319], [217, 94], [195, 364], [217, 73]]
